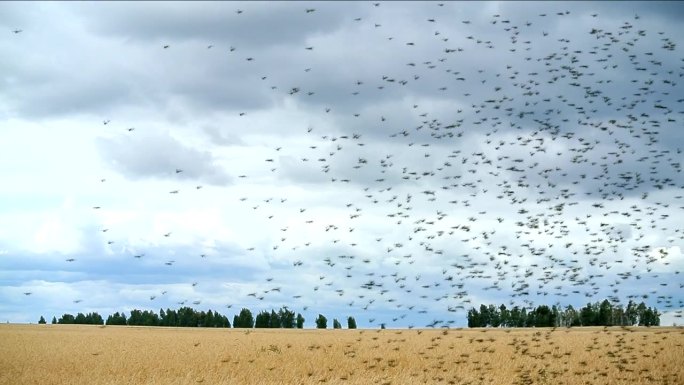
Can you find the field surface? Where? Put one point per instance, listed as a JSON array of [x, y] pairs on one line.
[[66, 354]]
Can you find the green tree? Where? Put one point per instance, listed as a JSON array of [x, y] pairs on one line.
[[244, 319], [600, 313], [605, 313], [504, 315], [187, 317], [66, 319], [171, 318], [208, 321], [515, 317], [587, 316], [474, 318], [263, 319], [571, 317], [542, 316], [555, 316], [523, 321], [41, 321], [336, 324], [321, 322], [631, 313], [54, 320], [351, 323], [494, 316], [287, 318], [163, 319], [94, 319], [656, 317], [224, 322], [647, 317], [650, 317], [274, 322], [641, 310], [484, 316], [149, 318], [618, 316], [300, 321], [135, 318], [80, 319], [116, 319]]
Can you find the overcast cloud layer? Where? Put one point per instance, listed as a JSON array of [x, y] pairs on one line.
[[398, 162]]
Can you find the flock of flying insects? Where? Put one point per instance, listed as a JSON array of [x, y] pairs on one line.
[[546, 168]]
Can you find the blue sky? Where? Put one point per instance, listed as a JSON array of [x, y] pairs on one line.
[[258, 155]]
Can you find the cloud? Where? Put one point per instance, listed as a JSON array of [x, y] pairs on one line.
[[215, 23], [450, 154], [160, 155]]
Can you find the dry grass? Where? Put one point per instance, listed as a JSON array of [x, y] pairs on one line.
[[65, 354]]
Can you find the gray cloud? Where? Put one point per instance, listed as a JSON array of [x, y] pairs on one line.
[[502, 152], [143, 155], [259, 25]]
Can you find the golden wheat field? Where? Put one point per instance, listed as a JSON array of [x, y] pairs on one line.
[[68, 354]]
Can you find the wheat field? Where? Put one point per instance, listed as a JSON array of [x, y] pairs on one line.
[[69, 354]]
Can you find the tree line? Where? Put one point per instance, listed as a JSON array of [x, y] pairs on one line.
[[602, 313], [188, 317]]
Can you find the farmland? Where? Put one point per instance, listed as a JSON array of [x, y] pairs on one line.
[[79, 354]]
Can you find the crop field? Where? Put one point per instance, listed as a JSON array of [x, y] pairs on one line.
[[68, 354]]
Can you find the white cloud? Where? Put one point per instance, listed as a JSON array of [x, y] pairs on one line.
[[495, 164]]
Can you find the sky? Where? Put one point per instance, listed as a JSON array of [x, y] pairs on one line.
[[399, 162]]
